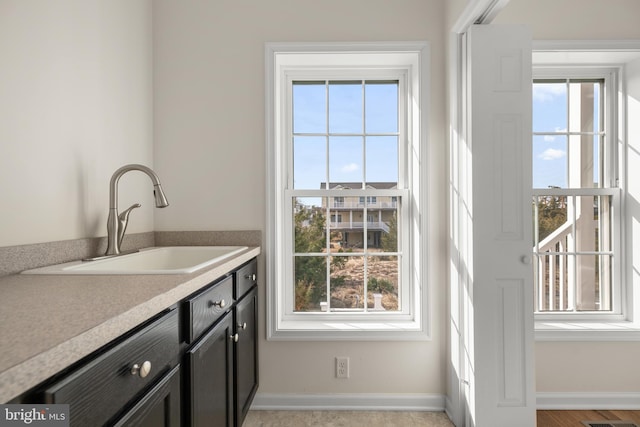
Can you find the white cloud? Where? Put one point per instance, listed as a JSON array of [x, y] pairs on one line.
[[552, 154], [544, 92], [351, 167], [549, 138]]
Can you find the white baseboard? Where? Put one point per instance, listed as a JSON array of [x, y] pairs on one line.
[[433, 402], [569, 401], [351, 402]]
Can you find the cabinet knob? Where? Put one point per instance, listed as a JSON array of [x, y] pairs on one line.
[[141, 371], [252, 277], [242, 325], [234, 337], [222, 303]]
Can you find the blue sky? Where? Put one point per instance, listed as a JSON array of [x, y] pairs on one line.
[[347, 116], [550, 151]]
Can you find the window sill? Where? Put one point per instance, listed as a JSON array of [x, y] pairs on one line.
[[587, 331], [328, 330]]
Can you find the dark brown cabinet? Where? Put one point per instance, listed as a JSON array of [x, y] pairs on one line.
[[195, 364], [160, 407], [99, 390], [246, 354], [222, 363], [210, 387]]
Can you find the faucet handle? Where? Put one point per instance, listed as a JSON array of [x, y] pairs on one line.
[[124, 215], [123, 219]]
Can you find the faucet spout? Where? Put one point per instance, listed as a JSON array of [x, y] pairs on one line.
[[116, 224]]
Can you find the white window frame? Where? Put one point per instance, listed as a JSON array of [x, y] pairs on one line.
[[316, 60], [609, 188], [597, 59]]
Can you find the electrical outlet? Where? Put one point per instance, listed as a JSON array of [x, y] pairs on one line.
[[342, 367]]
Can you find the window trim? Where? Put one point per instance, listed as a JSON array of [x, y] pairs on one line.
[[414, 58], [609, 55]]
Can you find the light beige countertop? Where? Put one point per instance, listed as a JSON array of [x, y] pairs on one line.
[[48, 322]]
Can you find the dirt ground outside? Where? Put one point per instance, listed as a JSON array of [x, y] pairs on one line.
[[349, 294]]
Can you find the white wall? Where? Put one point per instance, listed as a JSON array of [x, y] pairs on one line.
[[75, 104], [600, 366], [209, 149], [575, 19]]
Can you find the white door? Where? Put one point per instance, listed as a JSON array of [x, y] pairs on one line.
[[497, 300]]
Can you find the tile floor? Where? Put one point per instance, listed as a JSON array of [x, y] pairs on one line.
[[346, 419]]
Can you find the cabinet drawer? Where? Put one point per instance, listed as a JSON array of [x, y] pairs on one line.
[[246, 278], [206, 308], [102, 387], [160, 407]]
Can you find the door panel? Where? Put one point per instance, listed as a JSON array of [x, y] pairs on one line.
[[495, 223]]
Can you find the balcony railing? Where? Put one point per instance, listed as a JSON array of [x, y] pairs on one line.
[[358, 205], [554, 269], [353, 225], [573, 268]]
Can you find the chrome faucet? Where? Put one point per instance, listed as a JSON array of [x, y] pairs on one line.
[[117, 223]]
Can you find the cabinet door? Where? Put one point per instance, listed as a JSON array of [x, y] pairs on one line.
[[159, 407], [246, 366], [100, 389], [210, 363]]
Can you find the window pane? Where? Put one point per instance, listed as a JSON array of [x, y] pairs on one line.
[[583, 161], [381, 106], [582, 106], [310, 278], [586, 226], [603, 213], [345, 159], [567, 277], [550, 107], [338, 224], [554, 289], [382, 159], [574, 282], [382, 283], [309, 223], [550, 161], [347, 283], [598, 158], [389, 239], [593, 293], [345, 107], [597, 125], [309, 107], [309, 162], [552, 220]]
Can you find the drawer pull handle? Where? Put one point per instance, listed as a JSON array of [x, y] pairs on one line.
[[252, 277], [242, 325], [222, 303], [234, 337], [141, 371]]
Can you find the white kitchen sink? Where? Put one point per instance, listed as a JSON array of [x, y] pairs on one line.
[[160, 260]]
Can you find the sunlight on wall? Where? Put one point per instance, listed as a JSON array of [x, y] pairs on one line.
[[633, 174]]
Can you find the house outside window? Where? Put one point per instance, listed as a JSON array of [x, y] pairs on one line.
[[346, 128], [576, 198]]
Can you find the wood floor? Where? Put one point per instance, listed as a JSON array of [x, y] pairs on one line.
[[575, 418], [415, 419]]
